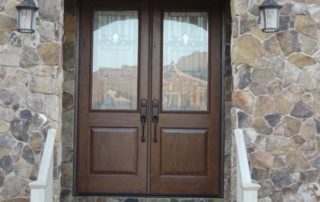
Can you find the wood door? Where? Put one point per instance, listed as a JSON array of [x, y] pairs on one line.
[[186, 157], [166, 54], [113, 79]]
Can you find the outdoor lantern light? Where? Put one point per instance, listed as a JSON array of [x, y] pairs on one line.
[[270, 16], [26, 16]]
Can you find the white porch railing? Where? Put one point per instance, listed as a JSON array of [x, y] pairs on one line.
[[246, 190], [41, 190]]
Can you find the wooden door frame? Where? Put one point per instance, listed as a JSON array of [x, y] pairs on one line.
[[222, 98]]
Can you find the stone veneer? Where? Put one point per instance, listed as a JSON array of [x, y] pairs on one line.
[[31, 80], [276, 98], [272, 92]]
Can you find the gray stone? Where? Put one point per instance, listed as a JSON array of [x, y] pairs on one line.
[[276, 196], [14, 40], [26, 114], [8, 97], [317, 122], [308, 129], [14, 186], [275, 87], [284, 23], [289, 42], [262, 75], [281, 178], [244, 73], [258, 88], [19, 129], [277, 65], [316, 162], [291, 74], [266, 188], [242, 118], [272, 48], [27, 154], [293, 93], [29, 57], [273, 119], [247, 22], [259, 173], [309, 176], [4, 37], [6, 164], [50, 10], [308, 44], [10, 56], [47, 31], [7, 144], [297, 141], [2, 178], [278, 145], [302, 110], [296, 161]]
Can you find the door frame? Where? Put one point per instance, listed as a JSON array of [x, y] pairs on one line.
[[222, 57]]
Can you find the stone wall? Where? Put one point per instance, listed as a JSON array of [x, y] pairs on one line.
[[30, 96], [276, 98]]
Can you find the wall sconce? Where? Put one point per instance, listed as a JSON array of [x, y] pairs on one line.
[[270, 16], [26, 16]]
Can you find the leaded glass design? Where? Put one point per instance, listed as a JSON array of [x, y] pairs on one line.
[[115, 60], [185, 61]]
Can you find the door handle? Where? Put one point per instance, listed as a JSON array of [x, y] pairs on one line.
[[143, 116], [155, 118]]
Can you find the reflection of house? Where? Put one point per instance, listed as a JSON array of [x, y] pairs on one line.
[[114, 88], [185, 83]]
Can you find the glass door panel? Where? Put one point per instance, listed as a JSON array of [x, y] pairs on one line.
[[115, 60], [185, 61]]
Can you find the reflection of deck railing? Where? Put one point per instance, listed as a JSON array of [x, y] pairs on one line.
[[41, 190], [246, 190]]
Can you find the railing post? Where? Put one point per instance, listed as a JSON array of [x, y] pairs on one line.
[[246, 190], [42, 189]]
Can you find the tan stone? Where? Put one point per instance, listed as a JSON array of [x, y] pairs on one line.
[[7, 24], [296, 161], [301, 60], [309, 45], [261, 159], [243, 100], [10, 8], [278, 145], [10, 56], [293, 93], [263, 106], [282, 105], [306, 26], [247, 50], [23, 169], [49, 53], [43, 85], [308, 129], [4, 126], [256, 31], [290, 126]]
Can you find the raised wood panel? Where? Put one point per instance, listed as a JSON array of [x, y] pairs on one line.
[[114, 150], [183, 152]]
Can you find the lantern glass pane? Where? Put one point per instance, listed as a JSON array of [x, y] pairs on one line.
[[271, 18], [25, 19]]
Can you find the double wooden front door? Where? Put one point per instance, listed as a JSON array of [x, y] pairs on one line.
[[149, 98]]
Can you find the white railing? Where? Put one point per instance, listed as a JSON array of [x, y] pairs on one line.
[[41, 190], [246, 190]]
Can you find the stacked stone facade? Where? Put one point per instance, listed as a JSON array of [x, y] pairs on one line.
[[30, 96], [272, 92], [276, 98]]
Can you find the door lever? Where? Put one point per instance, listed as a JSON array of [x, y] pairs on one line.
[[155, 117], [143, 117]]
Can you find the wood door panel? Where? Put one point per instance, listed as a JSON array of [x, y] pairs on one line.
[[114, 151], [183, 152]]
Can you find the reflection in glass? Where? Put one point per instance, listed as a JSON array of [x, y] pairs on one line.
[[115, 60], [185, 61]]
